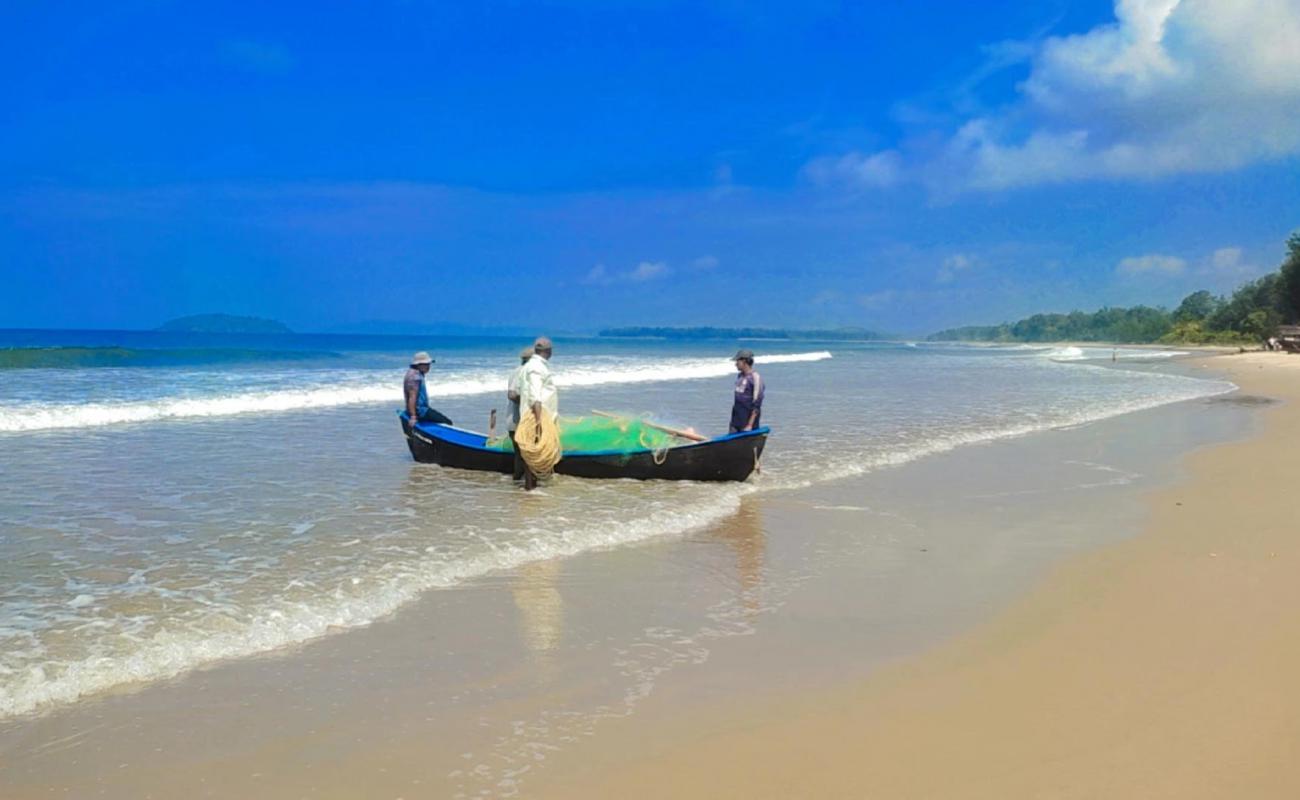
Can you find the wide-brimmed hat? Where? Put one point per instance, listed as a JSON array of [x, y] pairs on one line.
[[747, 355], [420, 358]]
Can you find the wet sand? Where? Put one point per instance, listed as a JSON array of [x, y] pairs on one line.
[[1163, 666], [753, 658]]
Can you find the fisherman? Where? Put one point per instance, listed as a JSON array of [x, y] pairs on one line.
[[537, 392], [417, 397], [513, 392], [747, 408]]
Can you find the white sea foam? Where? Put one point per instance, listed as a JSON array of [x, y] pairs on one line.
[[282, 623], [33, 417], [1066, 354], [1109, 353]]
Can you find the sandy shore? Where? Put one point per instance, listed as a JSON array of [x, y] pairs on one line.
[[1163, 666]]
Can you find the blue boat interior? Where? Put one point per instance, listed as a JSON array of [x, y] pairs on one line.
[[478, 441]]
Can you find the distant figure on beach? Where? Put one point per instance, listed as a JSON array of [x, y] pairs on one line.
[[537, 392], [513, 392], [417, 396], [747, 408]]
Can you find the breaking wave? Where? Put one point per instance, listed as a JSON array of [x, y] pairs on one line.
[[374, 386]]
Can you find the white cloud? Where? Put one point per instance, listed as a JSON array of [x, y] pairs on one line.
[[1228, 267], [952, 265], [1226, 258], [1172, 86], [1169, 87], [600, 275], [1153, 264], [648, 271], [705, 262], [877, 170]]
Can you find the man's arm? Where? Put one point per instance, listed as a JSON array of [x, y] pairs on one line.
[[757, 386], [534, 381], [411, 393]]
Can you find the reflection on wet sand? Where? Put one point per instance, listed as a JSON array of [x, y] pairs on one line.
[[743, 534], [541, 610]]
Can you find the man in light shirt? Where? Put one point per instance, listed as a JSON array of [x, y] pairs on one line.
[[537, 391], [513, 393]]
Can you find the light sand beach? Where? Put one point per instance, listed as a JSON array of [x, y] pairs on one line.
[[1163, 666]]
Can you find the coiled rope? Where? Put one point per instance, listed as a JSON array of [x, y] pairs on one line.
[[538, 443]]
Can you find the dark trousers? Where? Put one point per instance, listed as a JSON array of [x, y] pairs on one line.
[[740, 417], [519, 460], [433, 415]]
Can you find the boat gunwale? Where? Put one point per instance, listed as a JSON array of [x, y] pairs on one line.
[[432, 427]]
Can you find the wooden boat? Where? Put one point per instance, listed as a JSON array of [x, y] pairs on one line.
[[725, 458], [1288, 338]]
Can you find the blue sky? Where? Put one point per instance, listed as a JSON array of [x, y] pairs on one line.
[[567, 165]]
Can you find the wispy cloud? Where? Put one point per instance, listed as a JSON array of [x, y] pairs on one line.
[[600, 275], [1153, 264], [648, 271], [1228, 267], [952, 265], [705, 263], [875, 170]]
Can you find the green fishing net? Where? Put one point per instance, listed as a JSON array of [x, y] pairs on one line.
[[585, 434]]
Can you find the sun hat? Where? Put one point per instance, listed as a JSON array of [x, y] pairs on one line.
[[421, 358], [745, 354], [542, 343]]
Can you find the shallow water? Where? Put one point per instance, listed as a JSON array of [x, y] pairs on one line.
[[156, 518]]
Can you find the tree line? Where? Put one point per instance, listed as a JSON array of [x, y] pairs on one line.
[[1249, 315], [831, 334]]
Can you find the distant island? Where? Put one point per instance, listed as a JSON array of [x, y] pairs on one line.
[[223, 323], [832, 334]]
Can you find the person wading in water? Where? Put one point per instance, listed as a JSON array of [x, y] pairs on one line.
[[747, 408], [537, 392]]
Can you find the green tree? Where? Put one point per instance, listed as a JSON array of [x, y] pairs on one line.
[[1196, 307], [1289, 277]]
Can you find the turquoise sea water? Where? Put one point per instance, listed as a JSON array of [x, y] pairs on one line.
[[195, 498]]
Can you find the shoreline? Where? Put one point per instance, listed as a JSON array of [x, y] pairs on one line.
[[1159, 666]]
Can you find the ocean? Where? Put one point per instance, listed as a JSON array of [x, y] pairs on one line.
[[171, 500]]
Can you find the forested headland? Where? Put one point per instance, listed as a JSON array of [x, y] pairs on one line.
[[831, 334], [1250, 315]]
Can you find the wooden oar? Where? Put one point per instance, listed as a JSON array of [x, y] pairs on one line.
[[694, 437]]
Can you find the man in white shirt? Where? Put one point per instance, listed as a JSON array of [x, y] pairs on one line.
[[513, 392], [537, 391]]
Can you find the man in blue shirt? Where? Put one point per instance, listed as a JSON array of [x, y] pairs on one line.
[[747, 409], [417, 397]]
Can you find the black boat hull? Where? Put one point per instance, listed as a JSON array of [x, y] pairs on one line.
[[727, 458]]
